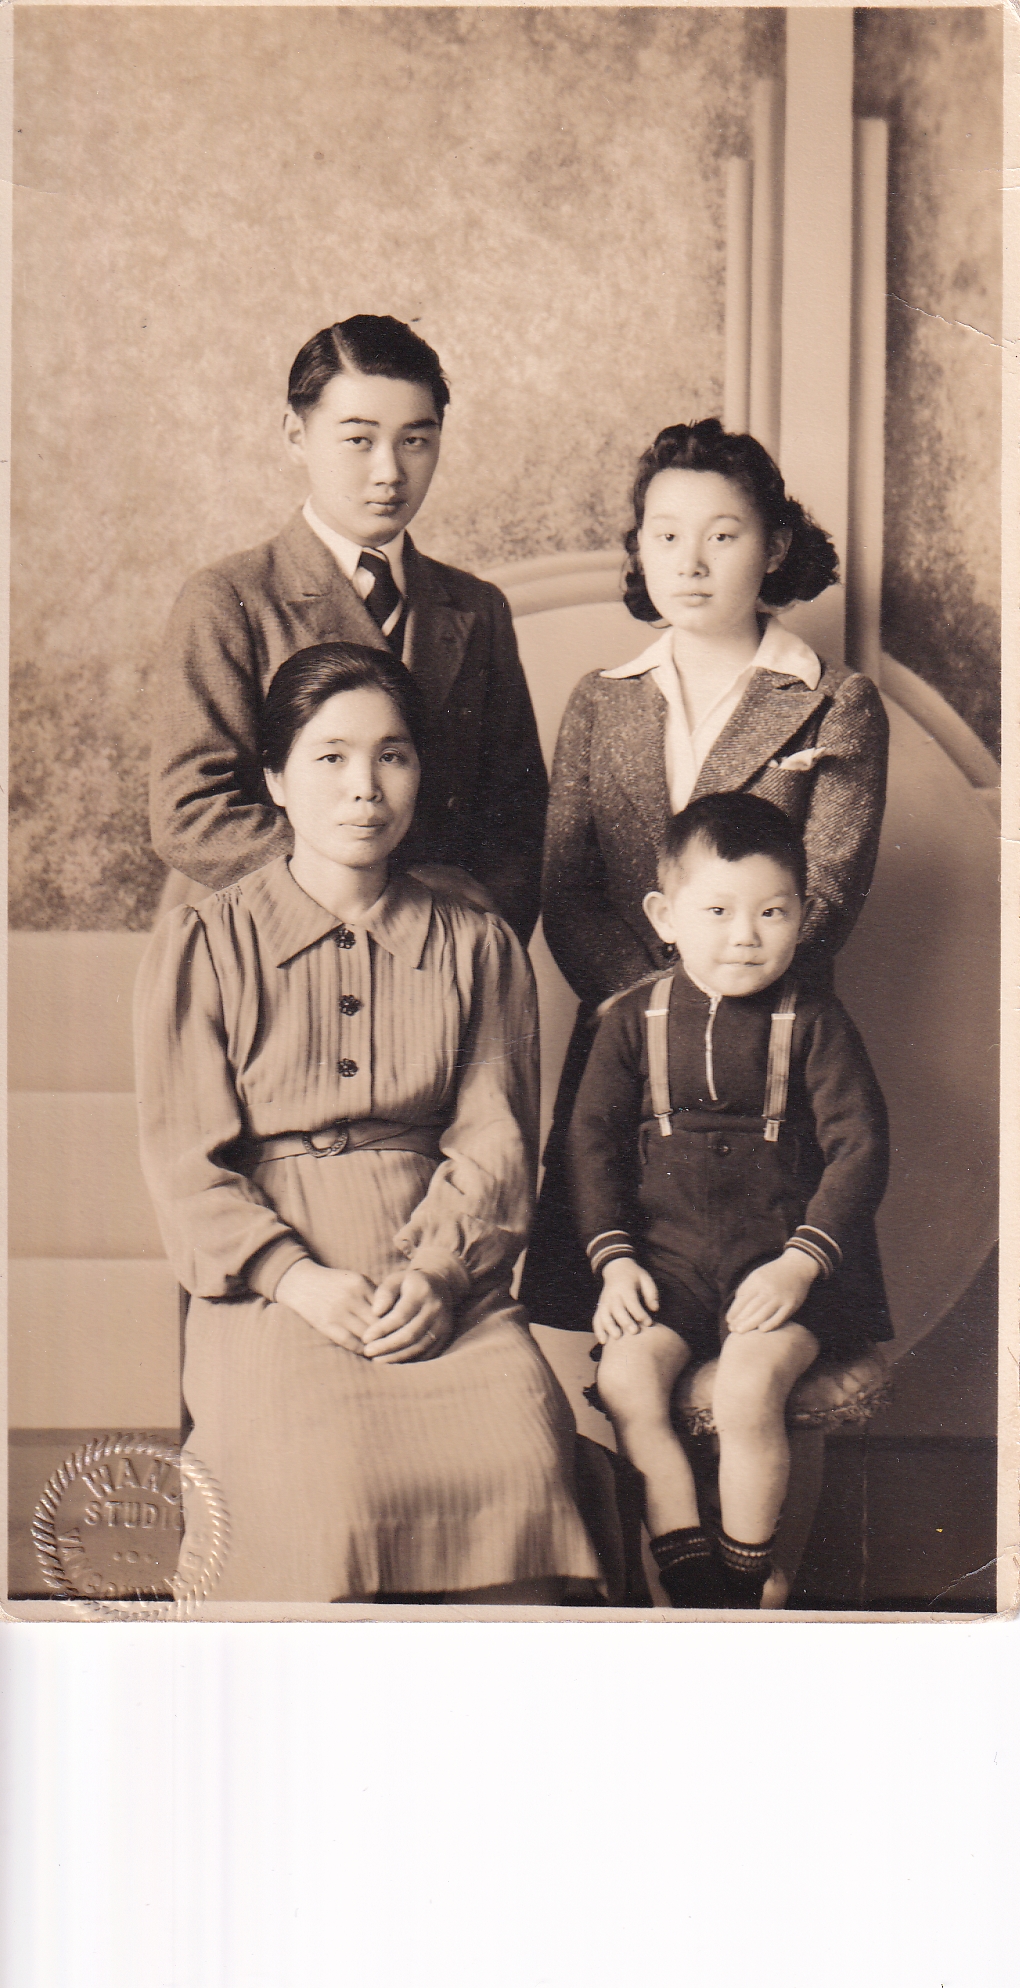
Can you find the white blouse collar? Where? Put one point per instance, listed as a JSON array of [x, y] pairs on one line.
[[779, 649]]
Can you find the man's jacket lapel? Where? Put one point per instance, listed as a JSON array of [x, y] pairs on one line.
[[319, 594], [437, 632]]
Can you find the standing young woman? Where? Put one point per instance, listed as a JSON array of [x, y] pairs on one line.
[[727, 699], [337, 1088]]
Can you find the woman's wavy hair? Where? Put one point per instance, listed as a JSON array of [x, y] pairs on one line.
[[313, 676], [811, 564]]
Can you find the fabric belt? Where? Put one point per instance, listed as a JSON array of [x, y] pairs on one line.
[[360, 1135], [777, 1080]]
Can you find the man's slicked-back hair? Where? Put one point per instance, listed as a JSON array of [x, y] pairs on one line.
[[734, 826], [365, 344]]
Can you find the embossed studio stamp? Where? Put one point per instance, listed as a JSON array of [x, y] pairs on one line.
[[109, 1528]]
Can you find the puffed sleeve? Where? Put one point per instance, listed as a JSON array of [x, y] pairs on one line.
[[844, 817], [473, 1222], [221, 1235], [593, 946]]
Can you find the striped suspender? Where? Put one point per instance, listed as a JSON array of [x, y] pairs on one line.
[[777, 1082], [657, 1017]]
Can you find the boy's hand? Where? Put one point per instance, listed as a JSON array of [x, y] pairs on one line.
[[629, 1298], [773, 1294]]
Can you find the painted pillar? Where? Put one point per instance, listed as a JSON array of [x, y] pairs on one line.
[[814, 442], [766, 263], [738, 296], [867, 400]]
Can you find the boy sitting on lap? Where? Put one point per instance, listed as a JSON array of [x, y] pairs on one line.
[[727, 1153]]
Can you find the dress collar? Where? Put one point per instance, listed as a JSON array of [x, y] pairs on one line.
[[290, 921], [779, 649]]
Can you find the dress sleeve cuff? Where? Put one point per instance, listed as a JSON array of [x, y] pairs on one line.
[[446, 1269], [820, 1247], [265, 1270], [602, 1249]]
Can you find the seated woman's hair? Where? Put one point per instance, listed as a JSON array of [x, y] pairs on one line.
[[313, 676], [811, 564], [733, 826], [365, 344]]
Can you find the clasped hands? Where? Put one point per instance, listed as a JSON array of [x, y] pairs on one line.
[[406, 1316], [768, 1297]]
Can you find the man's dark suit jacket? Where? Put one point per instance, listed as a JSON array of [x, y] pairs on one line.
[[483, 794]]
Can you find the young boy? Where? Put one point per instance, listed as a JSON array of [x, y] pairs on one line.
[[727, 1153]]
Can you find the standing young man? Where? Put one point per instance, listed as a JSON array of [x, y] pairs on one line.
[[365, 407]]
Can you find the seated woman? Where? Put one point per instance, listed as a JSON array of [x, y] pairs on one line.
[[338, 1096]]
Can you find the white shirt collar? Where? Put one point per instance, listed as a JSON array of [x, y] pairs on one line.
[[347, 553], [779, 650]]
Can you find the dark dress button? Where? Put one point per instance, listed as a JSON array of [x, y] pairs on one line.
[[722, 1147], [346, 1067], [349, 1004], [345, 938]]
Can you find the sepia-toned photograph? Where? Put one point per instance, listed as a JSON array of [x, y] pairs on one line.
[[505, 670]]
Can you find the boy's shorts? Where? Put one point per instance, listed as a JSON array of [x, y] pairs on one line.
[[696, 1311], [716, 1204]]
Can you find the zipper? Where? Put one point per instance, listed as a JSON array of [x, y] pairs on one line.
[[714, 1000]]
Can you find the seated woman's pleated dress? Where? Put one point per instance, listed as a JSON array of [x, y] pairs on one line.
[[264, 1028]]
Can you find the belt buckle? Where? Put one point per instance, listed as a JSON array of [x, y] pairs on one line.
[[339, 1144]]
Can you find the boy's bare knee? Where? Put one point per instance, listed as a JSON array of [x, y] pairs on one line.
[[626, 1385], [756, 1373], [745, 1385], [636, 1375]]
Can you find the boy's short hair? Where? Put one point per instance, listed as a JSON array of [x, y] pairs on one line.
[[365, 344], [734, 826]]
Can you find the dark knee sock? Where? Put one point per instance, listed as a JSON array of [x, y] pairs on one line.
[[688, 1569], [745, 1570]]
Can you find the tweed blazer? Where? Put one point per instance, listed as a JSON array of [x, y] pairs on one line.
[[609, 807], [483, 793]]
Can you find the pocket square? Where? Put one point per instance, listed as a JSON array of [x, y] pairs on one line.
[[799, 762]]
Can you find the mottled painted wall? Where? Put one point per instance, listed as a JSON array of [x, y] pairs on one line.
[[936, 76], [541, 190]]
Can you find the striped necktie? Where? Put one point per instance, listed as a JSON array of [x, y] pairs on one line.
[[385, 601]]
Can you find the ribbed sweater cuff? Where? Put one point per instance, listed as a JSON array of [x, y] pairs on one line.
[[611, 1243], [822, 1248]]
